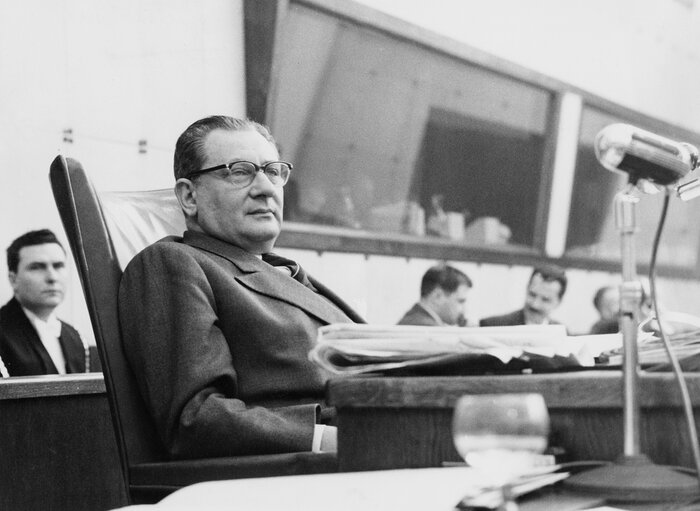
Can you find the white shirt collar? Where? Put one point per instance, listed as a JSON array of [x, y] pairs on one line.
[[52, 324]]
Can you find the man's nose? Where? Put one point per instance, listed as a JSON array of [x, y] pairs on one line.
[[51, 274], [261, 184]]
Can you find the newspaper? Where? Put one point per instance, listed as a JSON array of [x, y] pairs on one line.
[[348, 348]]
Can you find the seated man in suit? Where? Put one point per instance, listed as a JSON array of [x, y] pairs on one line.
[[32, 339], [216, 327], [545, 290], [443, 296]]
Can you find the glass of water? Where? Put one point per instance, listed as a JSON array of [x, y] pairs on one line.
[[500, 435]]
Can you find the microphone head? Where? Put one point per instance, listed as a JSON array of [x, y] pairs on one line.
[[644, 155]]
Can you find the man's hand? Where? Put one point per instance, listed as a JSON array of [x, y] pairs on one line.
[[329, 440]]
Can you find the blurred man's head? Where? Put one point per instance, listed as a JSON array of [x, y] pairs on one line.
[[607, 302], [545, 291], [444, 290], [37, 271]]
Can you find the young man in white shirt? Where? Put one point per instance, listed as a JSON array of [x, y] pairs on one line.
[[32, 339]]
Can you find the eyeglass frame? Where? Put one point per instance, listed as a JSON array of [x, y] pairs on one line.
[[258, 168]]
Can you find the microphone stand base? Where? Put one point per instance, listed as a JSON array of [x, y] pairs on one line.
[[635, 479]]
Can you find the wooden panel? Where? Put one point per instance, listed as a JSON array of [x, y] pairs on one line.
[[389, 423], [581, 389], [51, 385], [58, 446]]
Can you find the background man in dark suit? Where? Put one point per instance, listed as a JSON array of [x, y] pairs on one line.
[[216, 327], [32, 339], [443, 297], [545, 290]]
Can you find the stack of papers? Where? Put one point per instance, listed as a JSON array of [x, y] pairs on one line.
[[651, 349], [348, 348], [683, 331]]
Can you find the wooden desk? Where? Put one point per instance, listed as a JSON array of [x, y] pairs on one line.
[[57, 445], [389, 423]]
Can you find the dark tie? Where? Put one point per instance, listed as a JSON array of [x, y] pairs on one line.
[[295, 271]]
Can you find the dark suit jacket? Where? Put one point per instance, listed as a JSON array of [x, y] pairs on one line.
[[219, 342], [605, 326], [24, 354], [417, 315], [513, 318], [510, 319]]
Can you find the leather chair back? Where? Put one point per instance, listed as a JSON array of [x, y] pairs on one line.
[[100, 270]]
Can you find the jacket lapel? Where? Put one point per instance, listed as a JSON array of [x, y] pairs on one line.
[[27, 338], [73, 351], [287, 289], [259, 276]]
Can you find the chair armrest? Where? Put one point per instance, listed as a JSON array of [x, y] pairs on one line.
[[179, 473]]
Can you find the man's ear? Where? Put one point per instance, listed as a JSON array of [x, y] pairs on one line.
[[436, 295], [12, 277], [186, 194]]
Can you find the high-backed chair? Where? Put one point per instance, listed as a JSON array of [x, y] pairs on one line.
[[104, 231]]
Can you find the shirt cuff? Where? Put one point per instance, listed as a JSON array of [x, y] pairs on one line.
[[318, 436]]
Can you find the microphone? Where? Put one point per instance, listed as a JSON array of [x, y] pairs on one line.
[[623, 148]]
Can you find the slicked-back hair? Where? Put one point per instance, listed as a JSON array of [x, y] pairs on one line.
[[551, 273], [445, 277], [28, 239], [189, 148]]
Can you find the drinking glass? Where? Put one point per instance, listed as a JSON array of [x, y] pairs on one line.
[[499, 435]]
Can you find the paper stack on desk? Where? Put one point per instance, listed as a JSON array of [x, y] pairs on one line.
[[651, 350], [348, 348], [683, 331]]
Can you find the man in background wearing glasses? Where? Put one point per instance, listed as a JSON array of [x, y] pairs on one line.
[[217, 328]]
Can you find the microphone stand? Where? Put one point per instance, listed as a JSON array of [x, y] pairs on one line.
[[632, 476]]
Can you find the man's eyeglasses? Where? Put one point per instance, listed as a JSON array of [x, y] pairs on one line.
[[241, 173]]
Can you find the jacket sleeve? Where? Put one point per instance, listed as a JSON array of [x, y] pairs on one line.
[[184, 368]]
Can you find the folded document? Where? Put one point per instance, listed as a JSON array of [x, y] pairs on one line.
[[348, 348]]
